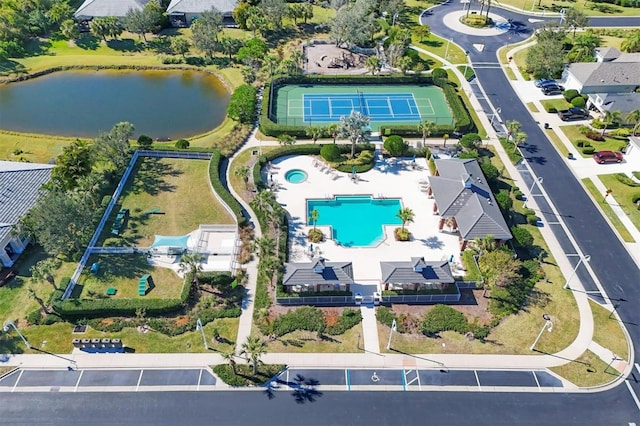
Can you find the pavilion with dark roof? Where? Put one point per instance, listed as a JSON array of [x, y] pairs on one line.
[[416, 274], [317, 276], [464, 200]]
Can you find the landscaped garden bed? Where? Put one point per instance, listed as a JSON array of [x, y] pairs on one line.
[[243, 376], [582, 142]]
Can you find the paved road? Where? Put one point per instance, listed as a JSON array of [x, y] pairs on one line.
[[315, 408]]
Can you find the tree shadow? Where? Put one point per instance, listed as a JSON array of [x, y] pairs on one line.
[[432, 242], [88, 42], [125, 45], [9, 66]]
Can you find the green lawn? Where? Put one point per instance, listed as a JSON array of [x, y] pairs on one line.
[[586, 371], [502, 52], [179, 188], [532, 107], [438, 46], [608, 331], [510, 74], [57, 338], [622, 194], [123, 272], [608, 211], [609, 144], [590, 8], [520, 57], [559, 104]]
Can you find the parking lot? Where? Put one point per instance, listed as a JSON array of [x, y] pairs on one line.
[[405, 379], [88, 380]]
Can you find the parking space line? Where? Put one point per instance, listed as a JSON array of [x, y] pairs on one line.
[[637, 367], [404, 380], [477, 379], [418, 377], [537, 382], [199, 378], [347, 378], [633, 394], [139, 379], [78, 382], [16, 383]]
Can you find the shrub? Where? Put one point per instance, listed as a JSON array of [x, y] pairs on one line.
[[395, 145], [432, 166], [490, 171], [532, 219], [330, 152], [242, 104], [518, 195], [522, 236], [385, 315], [578, 102], [588, 150], [348, 319], [596, 123], [34, 317], [635, 198], [182, 144], [582, 143], [551, 109], [304, 318], [504, 200], [105, 201], [145, 141], [444, 318], [570, 94], [402, 234], [439, 73], [622, 132], [594, 136], [470, 141], [315, 235]]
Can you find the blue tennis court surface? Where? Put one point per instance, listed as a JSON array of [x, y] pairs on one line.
[[378, 106]]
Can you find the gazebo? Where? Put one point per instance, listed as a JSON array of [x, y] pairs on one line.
[[416, 274]]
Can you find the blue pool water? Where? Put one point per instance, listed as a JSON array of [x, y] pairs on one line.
[[296, 176], [356, 221]]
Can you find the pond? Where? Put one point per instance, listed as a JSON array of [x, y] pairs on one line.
[[160, 104]]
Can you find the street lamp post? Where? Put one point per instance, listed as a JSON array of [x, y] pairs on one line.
[[8, 323], [497, 111], [539, 182], [586, 258], [393, 328], [547, 323], [446, 51], [201, 329]]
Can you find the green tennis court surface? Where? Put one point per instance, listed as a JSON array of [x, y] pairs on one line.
[[306, 105]]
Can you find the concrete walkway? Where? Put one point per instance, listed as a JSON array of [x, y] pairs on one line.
[[370, 329]]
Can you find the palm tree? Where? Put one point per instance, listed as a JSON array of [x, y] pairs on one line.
[[265, 246], [332, 130], [254, 347], [426, 127], [373, 64], [422, 32], [314, 132], [634, 118], [405, 214], [191, 263], [242, 172], [513, 127], [43, 270], [519, 138], [485, 244], [610, 117], [313, 216], [632, 42], [353, 128], [229, 356]]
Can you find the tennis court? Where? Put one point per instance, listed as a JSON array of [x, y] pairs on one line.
[[305, 105]]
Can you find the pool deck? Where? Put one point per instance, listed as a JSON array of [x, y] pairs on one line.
[[388, 179]]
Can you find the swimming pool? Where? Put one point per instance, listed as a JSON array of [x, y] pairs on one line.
[[295, 176], [356, 221]]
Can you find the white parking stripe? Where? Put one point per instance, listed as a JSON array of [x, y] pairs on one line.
[[477, 379], [537, 382], [78, 382], [199, 378], [139, 379], [633, 394], [637, 367], [16, 383]]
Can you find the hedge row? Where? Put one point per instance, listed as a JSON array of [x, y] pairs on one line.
[[308, 149], [463, 121], [214, 176], [312, 319]]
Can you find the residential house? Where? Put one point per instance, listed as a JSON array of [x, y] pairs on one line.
[[317, 276], [102, 8], [416, 274], [465, 203], [610, 83], [182, 12], [20, 185]]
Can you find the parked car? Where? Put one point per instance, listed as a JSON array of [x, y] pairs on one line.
[[552, 90], [602, 157], [573, 113], [543, 81]]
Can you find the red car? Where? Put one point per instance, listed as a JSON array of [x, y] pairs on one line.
[[602, 157]]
